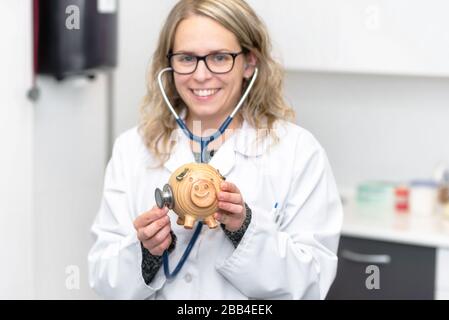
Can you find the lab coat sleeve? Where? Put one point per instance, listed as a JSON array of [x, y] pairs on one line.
[[115, 258], [297, 259]]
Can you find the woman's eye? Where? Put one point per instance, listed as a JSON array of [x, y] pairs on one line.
[[186, 58], [220, 57]]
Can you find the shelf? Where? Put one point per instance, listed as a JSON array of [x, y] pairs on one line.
[[432, 231]]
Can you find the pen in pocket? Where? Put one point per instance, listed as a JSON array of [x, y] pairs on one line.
[[276, 213]]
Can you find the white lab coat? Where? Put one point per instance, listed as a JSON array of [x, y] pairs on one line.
[[288, 253]]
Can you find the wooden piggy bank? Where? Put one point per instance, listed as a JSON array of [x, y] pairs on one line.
[[192, 194]]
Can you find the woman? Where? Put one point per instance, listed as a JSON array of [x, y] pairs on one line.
[[279, 209]]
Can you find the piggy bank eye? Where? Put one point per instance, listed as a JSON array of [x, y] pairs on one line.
[[190, 179]]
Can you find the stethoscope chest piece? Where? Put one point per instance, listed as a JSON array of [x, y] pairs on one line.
[[192, 194], [164, 197]]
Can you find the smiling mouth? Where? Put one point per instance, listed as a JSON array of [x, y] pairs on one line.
[[204, 92], [202, 195]]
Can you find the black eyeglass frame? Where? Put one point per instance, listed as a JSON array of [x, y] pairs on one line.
[[234, 55]]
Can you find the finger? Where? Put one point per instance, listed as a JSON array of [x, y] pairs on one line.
[[221, 217], [159, 237], [229, 187], [150, 230], [150, 216], [224, 216], [230, 197], [231, 207], [159, 250]]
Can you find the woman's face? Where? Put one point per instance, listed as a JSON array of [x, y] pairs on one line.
[[207, 94]]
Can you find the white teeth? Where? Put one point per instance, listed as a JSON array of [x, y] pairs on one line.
[[205, 93]]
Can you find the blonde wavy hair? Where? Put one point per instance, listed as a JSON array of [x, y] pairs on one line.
[[265, 103]]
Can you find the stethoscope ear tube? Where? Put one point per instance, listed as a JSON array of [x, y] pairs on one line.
[[164, 95], [248, 89], [169, 105]]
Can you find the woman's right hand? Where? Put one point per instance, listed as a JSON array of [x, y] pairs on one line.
[[153, 230]]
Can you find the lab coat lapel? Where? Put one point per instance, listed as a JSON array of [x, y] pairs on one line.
[[243, 141], [181, 153], [247, 142], [224, 158]]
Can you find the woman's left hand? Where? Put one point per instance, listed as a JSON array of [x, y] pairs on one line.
[[232, 211]]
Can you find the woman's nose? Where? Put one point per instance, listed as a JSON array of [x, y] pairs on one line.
[[202, 73]]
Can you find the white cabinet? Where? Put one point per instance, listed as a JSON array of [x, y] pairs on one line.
[[409, 37]]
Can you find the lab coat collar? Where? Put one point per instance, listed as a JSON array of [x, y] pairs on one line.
[[244, 141], [250, 141]]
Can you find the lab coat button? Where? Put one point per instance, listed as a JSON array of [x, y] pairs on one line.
[[188, 278]]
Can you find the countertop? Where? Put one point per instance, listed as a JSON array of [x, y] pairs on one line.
[[406, 228]]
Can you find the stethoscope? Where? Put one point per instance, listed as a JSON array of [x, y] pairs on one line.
[[204, 142]]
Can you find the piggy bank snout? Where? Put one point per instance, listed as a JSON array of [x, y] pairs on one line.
[[202, 193]]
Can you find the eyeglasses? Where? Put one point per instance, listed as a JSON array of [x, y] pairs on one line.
[[221, 62]]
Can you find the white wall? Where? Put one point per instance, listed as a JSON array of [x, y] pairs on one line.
[[375, 127], [69, 160], [139, 25], [16, 129]]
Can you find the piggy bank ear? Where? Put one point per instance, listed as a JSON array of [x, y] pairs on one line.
[[182, 175], [221, 176]]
